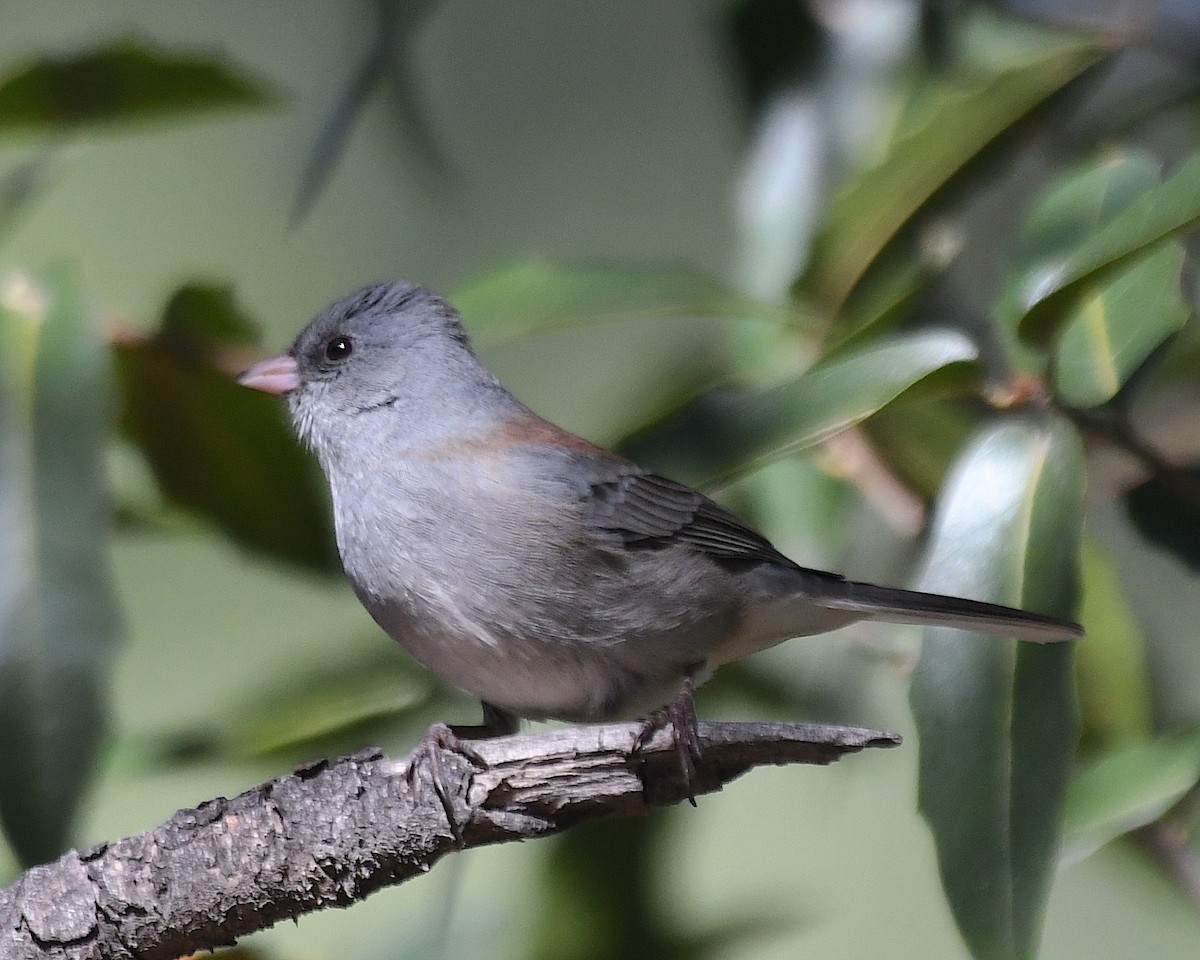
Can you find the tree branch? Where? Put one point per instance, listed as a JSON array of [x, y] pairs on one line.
[[333, 832]]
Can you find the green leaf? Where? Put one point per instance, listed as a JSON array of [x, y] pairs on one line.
[[1128, 788], [21, 186], [1114, 319], [713, 442], [958, 122], [58, 618], [996, 718], [1116, 324], [1075, 206], [534, 297], [218, 449], [121, 83], [1157, 215], [1110, 669], [919, 439], [1061, 220], [883, 298], [325, 710], [202, 318]]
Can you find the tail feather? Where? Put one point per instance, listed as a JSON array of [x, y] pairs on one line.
[[895, 605]]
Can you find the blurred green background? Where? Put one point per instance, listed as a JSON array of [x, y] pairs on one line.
[[728, 236]]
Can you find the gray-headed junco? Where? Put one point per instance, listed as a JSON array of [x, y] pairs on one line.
[[537, 571]]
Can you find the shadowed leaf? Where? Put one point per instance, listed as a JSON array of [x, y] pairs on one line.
[[58, 619], [21, 185], [125, 82], [387, 61], [920, 439], [1166, 510], [218, 449]]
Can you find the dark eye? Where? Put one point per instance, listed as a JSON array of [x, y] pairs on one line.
[[339, 348]]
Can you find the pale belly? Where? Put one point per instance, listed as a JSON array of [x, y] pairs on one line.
[[541, 677]]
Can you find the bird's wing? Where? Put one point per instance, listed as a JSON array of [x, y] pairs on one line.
[[644, 508]]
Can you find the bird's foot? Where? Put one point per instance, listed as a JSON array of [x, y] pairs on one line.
[[680, 715], [441, 737]]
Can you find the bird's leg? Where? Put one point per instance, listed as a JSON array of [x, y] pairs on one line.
[[496, 723], [441, 736], [680, 713]]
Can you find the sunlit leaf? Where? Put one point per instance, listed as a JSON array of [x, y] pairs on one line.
[[534, 297], [1156, 215], [1061, 220], [716, 440], [1116, 324], [218, 449], [1127, 788], [1116, 318], [996, 718], [956, 125], [58, 620], [124, 82]]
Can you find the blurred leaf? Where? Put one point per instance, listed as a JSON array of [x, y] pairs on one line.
[[883, 298], [958, 122], [1110, 668], [325, 711], [720, 437], [125, 82], [1158, 214], [1115, 325], [218, 449], [997, 718], [534, 297], [20, 186], [1128, 788], [386, 60], [1059, 222], [58, 618], [598, 900], [1076, 205], [1166, 511], [1114, 320], [919, 439], [204, 318]]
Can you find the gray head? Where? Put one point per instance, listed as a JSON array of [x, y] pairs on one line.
[[392, 357]]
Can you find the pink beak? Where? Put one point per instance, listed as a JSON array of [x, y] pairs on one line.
[[278, 375]]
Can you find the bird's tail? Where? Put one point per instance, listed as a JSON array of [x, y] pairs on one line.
[[895, 605]]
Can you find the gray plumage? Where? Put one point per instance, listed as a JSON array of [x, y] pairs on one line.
[[541, 573]]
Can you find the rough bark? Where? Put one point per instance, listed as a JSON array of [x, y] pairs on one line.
[[333, 832]]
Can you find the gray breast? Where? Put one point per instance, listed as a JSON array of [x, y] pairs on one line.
[[488, 589]]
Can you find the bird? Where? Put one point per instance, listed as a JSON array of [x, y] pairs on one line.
[[545, 575]]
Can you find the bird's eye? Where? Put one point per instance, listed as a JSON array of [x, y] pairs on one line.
[[339, 348]]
